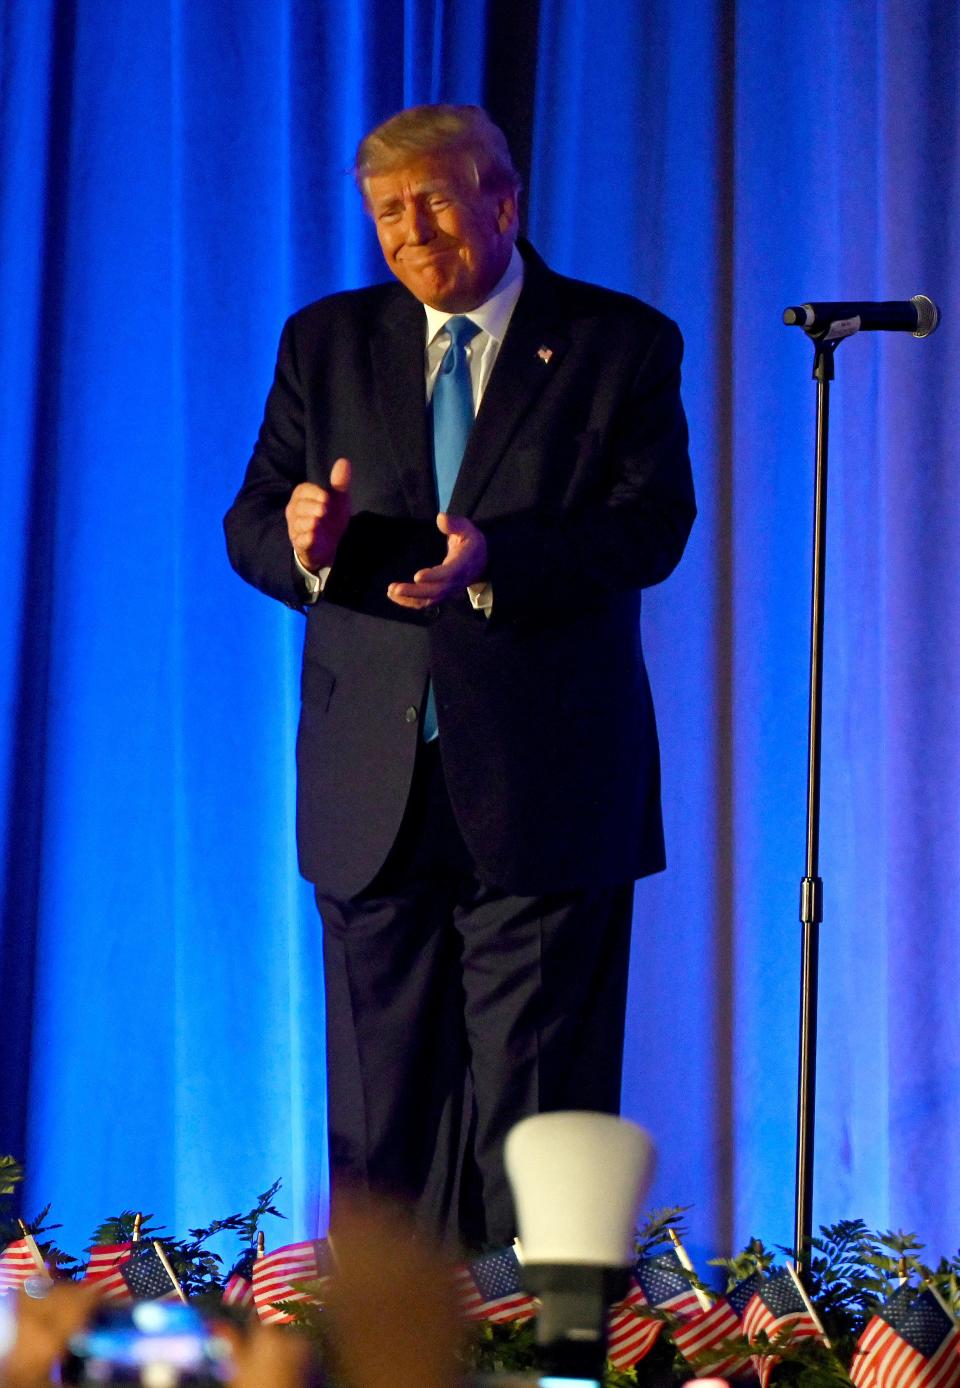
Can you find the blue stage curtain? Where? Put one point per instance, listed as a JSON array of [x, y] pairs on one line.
[[174, 180]]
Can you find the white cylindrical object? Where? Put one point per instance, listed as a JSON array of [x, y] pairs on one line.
[[578, 1181]]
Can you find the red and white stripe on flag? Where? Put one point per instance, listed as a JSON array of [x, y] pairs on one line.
[[702, 1333], [103, 1267], [868, 1346], [758, 1317], [896, 1364], [629, 1336], [18, 1261], [274, 1274], [238, 1291], [516, 1306]]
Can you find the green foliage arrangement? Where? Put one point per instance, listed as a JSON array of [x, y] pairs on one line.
[[200, 1271], [850, 1271]]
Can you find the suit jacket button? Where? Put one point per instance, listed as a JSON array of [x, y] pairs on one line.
[[410, 714]]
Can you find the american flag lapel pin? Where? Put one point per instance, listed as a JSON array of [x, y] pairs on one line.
[[545, 353]]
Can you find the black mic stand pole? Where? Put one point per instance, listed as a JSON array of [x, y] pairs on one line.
[[811, 888]]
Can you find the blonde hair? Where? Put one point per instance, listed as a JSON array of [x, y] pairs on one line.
[[440, 129]]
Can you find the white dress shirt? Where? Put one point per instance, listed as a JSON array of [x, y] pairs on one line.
[[492, 317]]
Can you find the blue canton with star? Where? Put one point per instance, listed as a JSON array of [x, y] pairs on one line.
[[146, 1276], [739, 1295], [917, 1318], [661, 1278], [243, 1267], [779, 1294], [497, 1274]]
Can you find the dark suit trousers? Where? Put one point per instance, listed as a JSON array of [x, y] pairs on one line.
[[453, 1011]]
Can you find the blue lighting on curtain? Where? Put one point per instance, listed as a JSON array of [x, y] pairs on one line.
[[175, 181]]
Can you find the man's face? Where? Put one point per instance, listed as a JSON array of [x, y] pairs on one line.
[[445, 239]]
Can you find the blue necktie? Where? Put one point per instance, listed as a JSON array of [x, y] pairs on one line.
[[451, 408]]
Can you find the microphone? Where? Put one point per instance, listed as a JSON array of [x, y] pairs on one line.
[[918, 315], [578, 1180]]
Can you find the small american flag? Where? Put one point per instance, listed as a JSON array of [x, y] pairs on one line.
[[666, 1284], [18, 1261], [704, 1332], [630, 1336], [103, 1267], [490, 1289], [777, 1306], [910, 1342], [238, 1290], [274, 1274], [146, 1277]]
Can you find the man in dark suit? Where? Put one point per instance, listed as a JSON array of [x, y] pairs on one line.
[[478, 771]]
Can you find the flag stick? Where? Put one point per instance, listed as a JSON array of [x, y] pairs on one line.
[[33, 1250], [941, 1303], [261, 1244], [158, 1249], [685, 1262], [808, 1303], [137, 1221]]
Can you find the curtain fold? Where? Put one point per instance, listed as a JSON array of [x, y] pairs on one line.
[[173, 183]]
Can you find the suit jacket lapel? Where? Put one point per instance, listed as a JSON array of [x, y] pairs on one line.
[[531, 352], [396, 349]]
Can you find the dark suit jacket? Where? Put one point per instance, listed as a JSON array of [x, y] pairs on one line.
[[577, 473]]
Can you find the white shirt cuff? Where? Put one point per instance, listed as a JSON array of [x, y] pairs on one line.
[[481, 597], [315, 581]]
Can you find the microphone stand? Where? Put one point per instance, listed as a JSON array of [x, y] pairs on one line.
[[836, 321], [811, 888]]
